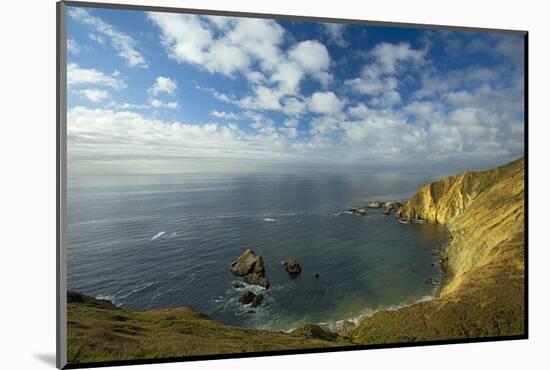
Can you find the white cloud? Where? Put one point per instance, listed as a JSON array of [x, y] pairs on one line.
[[263, 98], [156, 103], [323, 126], [72, 46], [293, 106], [387, 99], [389, 56], [292, 122], [91, 76], [425, 110], [335, 31], [242, 41], [251, 47], [512, 47], [325, 102], [126, 106], [97, 38], [311, 55], [290, 132], [358, 111], [289, 75], [121, 42], [94, 95], [130, 141], [379, 79], [225, 115], [163, 85]]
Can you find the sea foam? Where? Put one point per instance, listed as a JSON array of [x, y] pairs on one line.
[[158, 235]]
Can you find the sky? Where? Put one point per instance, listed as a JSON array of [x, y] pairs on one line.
[[152, 92]]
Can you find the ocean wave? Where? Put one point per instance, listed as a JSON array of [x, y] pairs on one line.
[[270, 220], [288, 214], [158, 235]]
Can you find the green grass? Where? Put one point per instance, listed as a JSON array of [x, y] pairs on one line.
[[98, 331]]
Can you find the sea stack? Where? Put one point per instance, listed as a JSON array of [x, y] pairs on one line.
[[293, 266], [251, 267]]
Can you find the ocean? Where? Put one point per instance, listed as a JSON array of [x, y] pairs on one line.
[[153, 241]]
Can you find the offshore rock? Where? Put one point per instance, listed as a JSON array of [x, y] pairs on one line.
[[293, 266], [248, 263]]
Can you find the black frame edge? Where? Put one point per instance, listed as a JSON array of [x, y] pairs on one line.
[[526, 178], [289, 352]]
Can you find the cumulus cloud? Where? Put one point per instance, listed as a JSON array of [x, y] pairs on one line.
[[312, 56], [398, 106], [163, 85], [325, 102], [121, 42], [252, 48], [192, 39]]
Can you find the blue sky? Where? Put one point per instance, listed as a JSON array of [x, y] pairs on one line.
[[160, 92]]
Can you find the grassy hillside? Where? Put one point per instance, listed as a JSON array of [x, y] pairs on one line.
[[484, 292], [99, 331]]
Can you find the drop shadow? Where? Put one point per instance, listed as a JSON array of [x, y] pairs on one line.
[[46, 358]]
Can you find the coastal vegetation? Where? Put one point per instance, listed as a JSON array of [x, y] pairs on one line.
[[482, 295]]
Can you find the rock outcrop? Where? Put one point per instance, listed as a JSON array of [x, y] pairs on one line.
[[248, 263], [483, 292], [292, 266], [247, 297], [356, 211], [374, 205], [256, 279], [390, 206], [258, 299], [251, 267], [315, 332]]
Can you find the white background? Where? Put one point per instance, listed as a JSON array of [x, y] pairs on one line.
[[27, 206]]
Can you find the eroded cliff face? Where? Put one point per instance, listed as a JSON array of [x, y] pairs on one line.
[[481, 210], [484, 291]]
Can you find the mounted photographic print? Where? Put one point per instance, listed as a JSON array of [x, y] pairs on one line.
[[235, 184]]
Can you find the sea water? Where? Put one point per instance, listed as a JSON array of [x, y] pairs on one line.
[[154, 241]]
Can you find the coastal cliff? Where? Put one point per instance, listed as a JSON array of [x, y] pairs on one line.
[[483, 295]]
